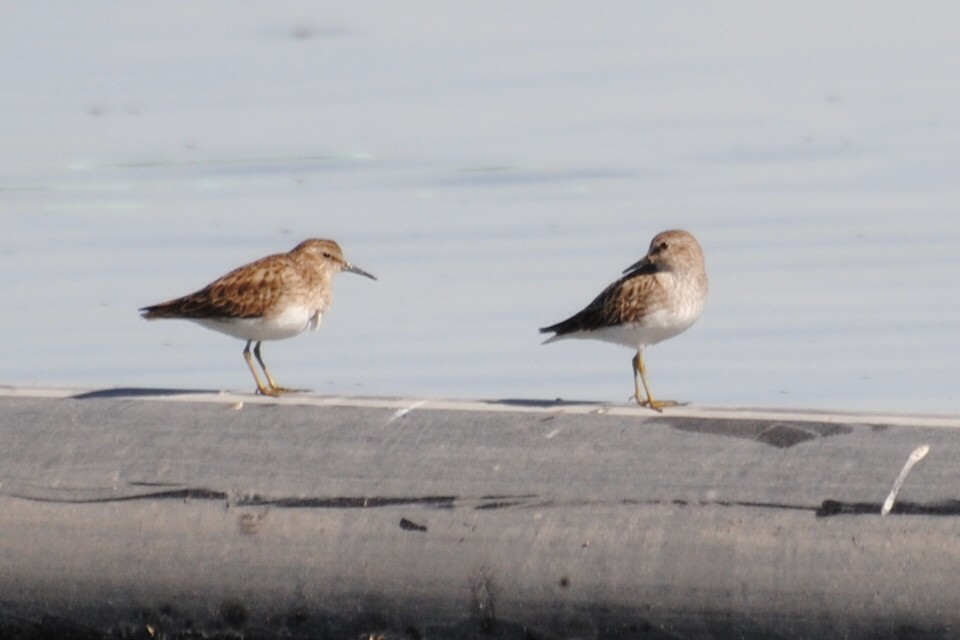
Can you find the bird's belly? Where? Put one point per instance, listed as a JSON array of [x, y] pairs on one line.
[[291, 322], [655, 327]]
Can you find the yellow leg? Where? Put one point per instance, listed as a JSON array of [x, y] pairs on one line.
[[640, 376], [261, 388], [274, 387]]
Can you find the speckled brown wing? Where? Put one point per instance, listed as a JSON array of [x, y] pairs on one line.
[[250, 291], [626, 300]]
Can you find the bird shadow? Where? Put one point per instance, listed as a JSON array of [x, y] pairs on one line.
[[135, 392], [541, 404]]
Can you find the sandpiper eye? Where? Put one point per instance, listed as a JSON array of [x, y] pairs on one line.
[[326, 254]]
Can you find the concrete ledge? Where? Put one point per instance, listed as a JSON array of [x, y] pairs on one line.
[[172, 514]]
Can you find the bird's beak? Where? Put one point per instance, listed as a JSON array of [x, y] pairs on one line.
[[352, 269], [642, 262]]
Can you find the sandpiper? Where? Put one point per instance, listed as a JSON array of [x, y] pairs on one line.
[[657, 298], [273, 298]]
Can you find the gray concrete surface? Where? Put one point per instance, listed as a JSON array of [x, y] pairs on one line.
[[170, 514]]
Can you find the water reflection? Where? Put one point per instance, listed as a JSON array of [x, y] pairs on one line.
[[491, 177]]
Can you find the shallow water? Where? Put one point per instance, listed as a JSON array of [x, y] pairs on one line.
[[495, 166]]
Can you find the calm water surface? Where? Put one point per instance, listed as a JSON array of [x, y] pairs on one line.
[[495, 166]]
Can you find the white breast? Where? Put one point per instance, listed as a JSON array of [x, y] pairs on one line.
[[292, 322], [656, 327]]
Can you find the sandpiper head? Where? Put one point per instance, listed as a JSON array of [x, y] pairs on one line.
[[671, 251], [328, 252]]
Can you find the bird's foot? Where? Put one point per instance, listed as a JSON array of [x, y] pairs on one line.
[[657, 405], [267, 391], [275, 391]]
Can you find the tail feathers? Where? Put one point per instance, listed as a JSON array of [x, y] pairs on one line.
[[559, 330], [552, 338], [158, 311], [569, 325]]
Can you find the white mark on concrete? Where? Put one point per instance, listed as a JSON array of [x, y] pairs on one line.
[[399, 413], [915, 457], [552, 434]]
